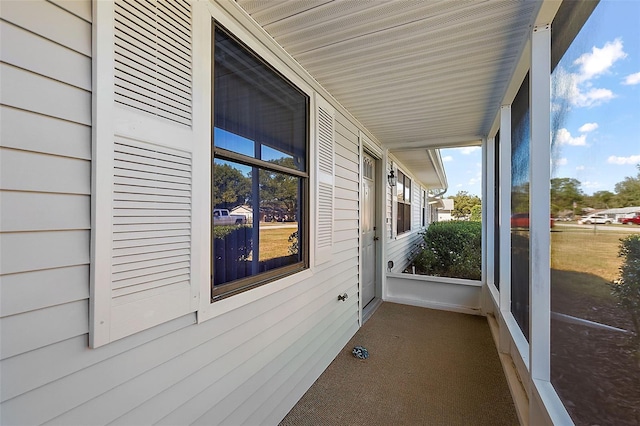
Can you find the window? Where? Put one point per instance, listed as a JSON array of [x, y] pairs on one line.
[[520, 168], [404, 203], [594, 290], [424, 207], [259, 174]]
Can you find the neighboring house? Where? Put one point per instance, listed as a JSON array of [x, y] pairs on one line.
[[245, 211], [444, 212], [109, 312], [620, 212]]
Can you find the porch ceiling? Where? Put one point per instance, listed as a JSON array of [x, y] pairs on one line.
[[417, 74]]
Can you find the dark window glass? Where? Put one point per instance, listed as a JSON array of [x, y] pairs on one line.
[[496, 223], [404, 203], [424, 208], [520, 163], [259, 174]]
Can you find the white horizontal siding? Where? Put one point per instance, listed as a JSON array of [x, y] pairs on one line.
[[54, 61], [39, 211], [32, 251], [29, 291], [24, 332], [193, 359], [249, 365], [81, 9], [45, 137], [52, 22], [401, 248], [55, 174], [33, 92], [29, 131], [300, 371], [306, 375], [35, 369]]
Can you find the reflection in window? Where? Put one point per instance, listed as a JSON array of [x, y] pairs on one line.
[[403, 203], [595, 350], [520, 163], [259, 173]]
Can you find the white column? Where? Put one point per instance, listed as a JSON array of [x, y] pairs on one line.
[[504, 219], [539, 203], [488, 215]]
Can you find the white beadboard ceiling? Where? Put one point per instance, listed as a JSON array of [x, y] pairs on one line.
[[419, 74]]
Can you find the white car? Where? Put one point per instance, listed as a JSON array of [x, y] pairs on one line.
[[595, 218]]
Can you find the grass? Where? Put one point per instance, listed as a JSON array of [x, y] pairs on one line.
[[583, 264], [586, 251], [274, 241]]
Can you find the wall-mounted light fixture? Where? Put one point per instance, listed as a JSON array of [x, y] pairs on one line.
[[392, 178]]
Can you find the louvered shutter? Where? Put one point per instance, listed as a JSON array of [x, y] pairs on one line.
[[325, 172], [142, 191]]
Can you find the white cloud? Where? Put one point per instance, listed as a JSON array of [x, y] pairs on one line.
[[599, 60], [477, 178], [563, 137], [469, 149], [561, 162], [588, 127], [580, 168], [475, 181], [632, 159], [592, 97], [447, 158], [591, 185], [578, 87], [632, 79]]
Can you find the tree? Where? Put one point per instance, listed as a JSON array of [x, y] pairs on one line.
[[601, 200], [230, 187], [279, 191], [463, 204], [628, 191], [476, 213], [520, 198], [564, 193]]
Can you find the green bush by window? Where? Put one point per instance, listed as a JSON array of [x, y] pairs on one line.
[[627, 287], [451, 249]]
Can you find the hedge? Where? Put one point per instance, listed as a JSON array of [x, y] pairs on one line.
[[451, 249]]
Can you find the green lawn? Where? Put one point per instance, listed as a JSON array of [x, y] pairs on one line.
[[583, 264], [274, 240], [581, 250]]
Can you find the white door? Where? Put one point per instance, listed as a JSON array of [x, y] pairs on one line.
[[368, 228]]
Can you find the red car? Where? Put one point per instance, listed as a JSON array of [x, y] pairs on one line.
[[635, 219], [521, 220]]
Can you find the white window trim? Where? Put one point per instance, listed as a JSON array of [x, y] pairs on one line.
[[408, 232], [230, 17]]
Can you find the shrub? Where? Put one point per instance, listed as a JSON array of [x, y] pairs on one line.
[[232, 247], [451, 249], [293, 239], [627, 287]]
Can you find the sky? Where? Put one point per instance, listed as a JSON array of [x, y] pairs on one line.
[[463, 167], [596, 93]]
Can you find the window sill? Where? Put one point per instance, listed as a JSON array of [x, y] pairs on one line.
[[403, 235], [209, 310]]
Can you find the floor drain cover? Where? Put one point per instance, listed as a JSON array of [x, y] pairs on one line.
[[360, 352]]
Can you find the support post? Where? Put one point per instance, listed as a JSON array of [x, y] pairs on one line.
[[539, 203]]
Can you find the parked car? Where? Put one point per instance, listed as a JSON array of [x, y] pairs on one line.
[[521, 220], [595, 218], [223, 217], [635, 219]]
